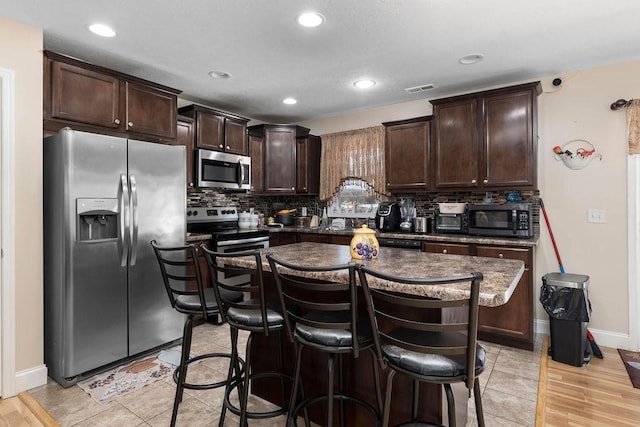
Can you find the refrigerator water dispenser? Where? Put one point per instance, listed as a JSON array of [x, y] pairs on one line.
[[97, 219]]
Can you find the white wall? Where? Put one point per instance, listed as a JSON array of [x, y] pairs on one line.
[[21, 51], [578, 109]]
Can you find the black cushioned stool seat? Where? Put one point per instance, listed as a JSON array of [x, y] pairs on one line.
[[183, 282], [257, 314], [324, 315], [425, 350]]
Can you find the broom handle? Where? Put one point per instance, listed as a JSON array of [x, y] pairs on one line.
[[553, 240]]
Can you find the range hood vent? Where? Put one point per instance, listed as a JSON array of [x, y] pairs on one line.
[[422, 88]]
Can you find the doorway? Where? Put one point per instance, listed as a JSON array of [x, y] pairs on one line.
[[633, 218], [7, 233]]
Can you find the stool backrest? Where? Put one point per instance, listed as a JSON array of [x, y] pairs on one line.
[[391, 312], [232, 278], [180, 273], [301, 295]]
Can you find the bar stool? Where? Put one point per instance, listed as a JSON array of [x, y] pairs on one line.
[[323, 315], [425, 350], [187, 294], [256, 314]]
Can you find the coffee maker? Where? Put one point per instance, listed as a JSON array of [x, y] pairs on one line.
[[388, 216]]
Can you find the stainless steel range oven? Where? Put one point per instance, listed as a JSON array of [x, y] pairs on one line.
[[222, 223]]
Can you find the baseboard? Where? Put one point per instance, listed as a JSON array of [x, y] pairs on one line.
[[31, 378], [602, 337]]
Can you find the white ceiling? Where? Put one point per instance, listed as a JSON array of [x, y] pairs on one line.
[[397, 43]]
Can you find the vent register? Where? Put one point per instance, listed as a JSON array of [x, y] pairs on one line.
[[421, 88]]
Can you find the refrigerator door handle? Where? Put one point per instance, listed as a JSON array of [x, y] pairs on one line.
[[241, 174], [134, 217], [123, 206]]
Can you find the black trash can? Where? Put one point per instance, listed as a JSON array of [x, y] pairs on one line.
[[565, 298]]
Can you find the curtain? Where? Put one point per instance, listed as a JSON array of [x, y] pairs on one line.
[[633, 123], [352, 154]]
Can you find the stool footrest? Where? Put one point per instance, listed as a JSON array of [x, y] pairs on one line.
[[337, 396], [256, 415], [211, 385]]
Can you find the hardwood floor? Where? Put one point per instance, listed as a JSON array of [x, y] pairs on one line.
[[597, 394], [23, 410]]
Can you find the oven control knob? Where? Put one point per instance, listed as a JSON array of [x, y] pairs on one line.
[[195, 213], [188, 213]]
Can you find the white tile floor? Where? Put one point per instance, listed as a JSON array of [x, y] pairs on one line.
[[509, 387]]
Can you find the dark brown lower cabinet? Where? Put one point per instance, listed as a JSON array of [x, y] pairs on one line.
[[510, 324], [314, 237], [282, 238]]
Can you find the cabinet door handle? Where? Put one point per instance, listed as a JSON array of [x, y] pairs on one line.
[[130, 124], [473, 181], [444, 251], [228, 147], [220, 146], [500, 255], [116, 121], [486, 181], [293, 188]]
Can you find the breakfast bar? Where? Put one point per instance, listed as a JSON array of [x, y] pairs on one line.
[[501, 277]]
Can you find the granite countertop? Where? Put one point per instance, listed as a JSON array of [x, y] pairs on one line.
[[501, 276], [453, 238]]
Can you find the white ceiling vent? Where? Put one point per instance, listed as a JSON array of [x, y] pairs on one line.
[[422, 88]]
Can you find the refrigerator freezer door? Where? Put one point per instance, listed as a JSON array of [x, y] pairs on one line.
[[158, 206], [86, 295]]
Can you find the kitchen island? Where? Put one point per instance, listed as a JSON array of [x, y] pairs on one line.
[[501, 277]]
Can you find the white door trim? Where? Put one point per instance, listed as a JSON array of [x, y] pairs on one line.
[[633, 219], [7, 234]]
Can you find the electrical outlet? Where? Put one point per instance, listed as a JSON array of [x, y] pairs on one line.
[[598, 216]]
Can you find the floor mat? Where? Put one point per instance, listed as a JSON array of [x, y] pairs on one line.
[[631, 361], [125, 379]]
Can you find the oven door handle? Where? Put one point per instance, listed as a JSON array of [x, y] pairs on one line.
[[242, 241]]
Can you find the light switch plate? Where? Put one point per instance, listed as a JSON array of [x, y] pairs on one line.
[[598, 216]]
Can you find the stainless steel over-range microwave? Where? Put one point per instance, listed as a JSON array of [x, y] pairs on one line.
[[216, 169]]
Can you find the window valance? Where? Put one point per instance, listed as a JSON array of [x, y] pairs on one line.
[[352, 154]]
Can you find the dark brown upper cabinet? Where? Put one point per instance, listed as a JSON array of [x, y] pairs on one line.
[[308, 150], [184, 137], [218, 131], [487, 140], [279, 150], [407, 159], [256, 152], [95, 99]]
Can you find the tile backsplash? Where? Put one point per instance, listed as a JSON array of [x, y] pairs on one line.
[[424, 202]]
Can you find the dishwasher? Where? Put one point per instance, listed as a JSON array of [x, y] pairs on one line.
[[392, 242]]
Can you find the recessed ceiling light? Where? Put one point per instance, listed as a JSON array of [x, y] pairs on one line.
[[102, 30], [289, 101], [364, 84], [219, 74], [310, 19], [474, 58]]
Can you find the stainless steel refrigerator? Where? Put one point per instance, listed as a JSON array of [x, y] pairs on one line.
[[105, 199]]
